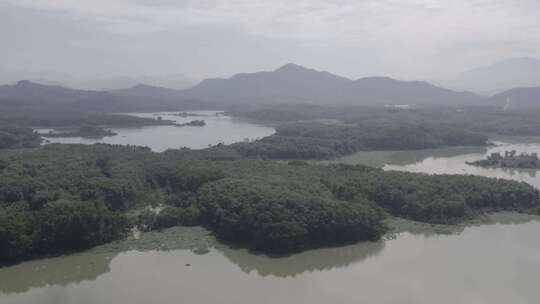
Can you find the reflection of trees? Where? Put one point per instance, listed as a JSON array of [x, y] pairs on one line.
[[403, 158], [400, 225], [518, 171], [54, 271], [414, 156], [508, 218], [307, 261]]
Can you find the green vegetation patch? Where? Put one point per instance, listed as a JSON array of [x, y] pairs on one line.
[[62, 198]]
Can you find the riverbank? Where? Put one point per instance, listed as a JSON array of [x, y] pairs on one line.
[[201, 240]]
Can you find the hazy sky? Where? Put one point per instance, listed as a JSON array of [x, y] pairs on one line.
[[206, 38]]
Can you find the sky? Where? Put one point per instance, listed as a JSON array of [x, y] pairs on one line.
[[405, 39]]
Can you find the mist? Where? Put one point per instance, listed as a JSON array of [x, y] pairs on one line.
[[62, 40]]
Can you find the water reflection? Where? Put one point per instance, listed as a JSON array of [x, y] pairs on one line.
[[449, 161], [399, 225], [381, 158], [496, 264], [308, 261], [58, 271]]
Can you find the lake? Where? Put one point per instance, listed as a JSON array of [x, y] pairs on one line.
[[218, 129], [450, 160], [495, 263]]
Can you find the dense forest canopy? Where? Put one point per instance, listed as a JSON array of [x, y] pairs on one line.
[[306, 140], [481, 119], [68, 197], [17, 137]]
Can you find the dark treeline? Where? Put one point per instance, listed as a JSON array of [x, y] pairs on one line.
[[510, 160], [18, 137], [68, 197], [52, 117], [306, 140], [482, 119], [84, 131]]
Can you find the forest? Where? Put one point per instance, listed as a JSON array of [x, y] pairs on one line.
[[320, 140], [84, 132], [63, 198], [478, 119], [17, 137]]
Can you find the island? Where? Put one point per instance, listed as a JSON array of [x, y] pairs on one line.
[[186, 114], [85, 131], [193, 123], [510, 160]]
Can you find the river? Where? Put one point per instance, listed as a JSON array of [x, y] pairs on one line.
[[495, 263]]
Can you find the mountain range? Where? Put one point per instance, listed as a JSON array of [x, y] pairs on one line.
[[31, 96], [97, 83], [289, 84], [296, 84]]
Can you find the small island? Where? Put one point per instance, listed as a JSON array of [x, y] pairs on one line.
[[193, 123], [510, 160], [186, 114], [85, 132]]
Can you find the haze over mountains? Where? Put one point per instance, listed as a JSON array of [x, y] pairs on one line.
[[289, 84], [30, 96], [98, 83], [497, 78]]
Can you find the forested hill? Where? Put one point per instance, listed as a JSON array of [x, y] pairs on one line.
[[518, 98], [296, 84]]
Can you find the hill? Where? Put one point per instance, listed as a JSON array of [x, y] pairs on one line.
[[33, 96], [518, 98], [29, 103], [295, 84]]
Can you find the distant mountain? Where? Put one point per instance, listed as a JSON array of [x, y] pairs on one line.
[[177, 81], [518, 98], [148, 91], [382, 90], [290, 84], [497, 78], [50, 77], [296, 84], [30, 95], [27, 92]]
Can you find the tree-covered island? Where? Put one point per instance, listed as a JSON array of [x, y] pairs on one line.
[[511, 159], [85, 132]]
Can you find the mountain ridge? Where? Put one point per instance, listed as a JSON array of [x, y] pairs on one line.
[[294, 83], [288, 84]]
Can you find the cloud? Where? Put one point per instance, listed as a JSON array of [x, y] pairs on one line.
[[436, 34], [299, 18], [428, 24]]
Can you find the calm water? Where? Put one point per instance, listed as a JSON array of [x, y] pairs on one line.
[[218, 129], [491, 264], [450, 161]]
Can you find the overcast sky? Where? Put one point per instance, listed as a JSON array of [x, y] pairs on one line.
[[407, 39]]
